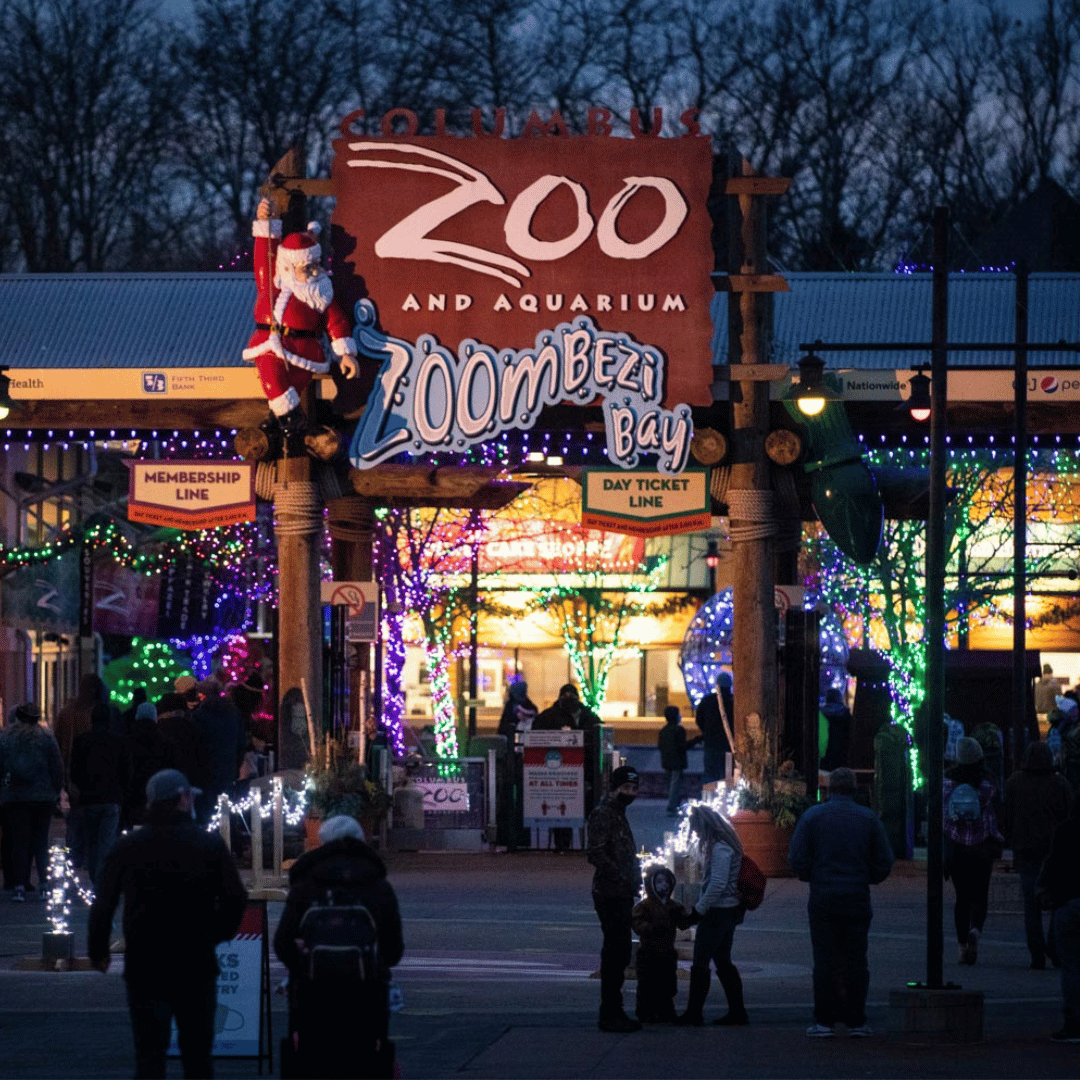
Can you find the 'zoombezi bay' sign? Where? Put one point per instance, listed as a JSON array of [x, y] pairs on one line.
[[510, 274]]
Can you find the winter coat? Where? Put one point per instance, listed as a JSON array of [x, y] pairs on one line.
[[842, 849], [182, 895], [101, 767], [985, 828], [708, 719], [720, 879], [219, 728], [31, 769], [656, 923], [1059, 878], [1036, 802], [150, 753], [838, 720], [188, 753], [672, 743], [519, 714], [612, 851], [355, 873]]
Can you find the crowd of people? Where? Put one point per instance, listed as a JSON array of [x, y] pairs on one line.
[[93, 763]]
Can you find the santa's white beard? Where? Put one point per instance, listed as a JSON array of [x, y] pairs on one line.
[[315, 292]]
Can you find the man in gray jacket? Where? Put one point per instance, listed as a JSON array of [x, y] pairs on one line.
[[841, 848]]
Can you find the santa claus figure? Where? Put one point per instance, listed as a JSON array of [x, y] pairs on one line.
[[294, 310]]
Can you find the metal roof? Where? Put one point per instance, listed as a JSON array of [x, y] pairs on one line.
[[201, 320], [125, 320], [857, 308]]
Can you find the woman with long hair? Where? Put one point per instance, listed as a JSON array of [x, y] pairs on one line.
[[720, 911]]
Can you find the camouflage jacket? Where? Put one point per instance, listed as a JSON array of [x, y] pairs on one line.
[[612, 851]]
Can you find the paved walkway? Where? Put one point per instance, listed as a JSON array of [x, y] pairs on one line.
[[500, 950]]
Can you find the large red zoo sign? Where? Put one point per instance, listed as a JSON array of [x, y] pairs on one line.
[[498, 241]]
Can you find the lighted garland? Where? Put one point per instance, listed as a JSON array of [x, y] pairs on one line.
[[63, 879], [150, 664]]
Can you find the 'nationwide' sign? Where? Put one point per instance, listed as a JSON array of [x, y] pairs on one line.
[[645, 503], [191, 494]]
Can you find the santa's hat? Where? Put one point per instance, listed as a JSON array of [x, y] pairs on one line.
[[299, 248]]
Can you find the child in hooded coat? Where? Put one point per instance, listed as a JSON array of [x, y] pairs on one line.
[[655, 921]]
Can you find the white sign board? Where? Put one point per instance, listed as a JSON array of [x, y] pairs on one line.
[[239, 990], [553, 778]]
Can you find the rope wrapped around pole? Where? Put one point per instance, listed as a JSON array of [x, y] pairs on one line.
[[751, 513], [298, 510]]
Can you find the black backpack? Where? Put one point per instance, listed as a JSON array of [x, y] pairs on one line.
[[342, 944]]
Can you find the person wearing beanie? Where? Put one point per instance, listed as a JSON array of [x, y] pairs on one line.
[[182, 897], [31, 779], [616, 881], [337, 1033], [1036, 802], [972, 843], [673, 744]]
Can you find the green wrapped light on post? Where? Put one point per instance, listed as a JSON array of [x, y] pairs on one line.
[[842, 488]]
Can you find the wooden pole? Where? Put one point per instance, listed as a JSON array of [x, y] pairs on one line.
[[298, 527], [750, 510]]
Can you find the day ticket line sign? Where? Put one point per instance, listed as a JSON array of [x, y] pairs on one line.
[[641, 503], [553, 778]]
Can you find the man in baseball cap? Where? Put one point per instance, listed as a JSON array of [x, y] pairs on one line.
[[169, 784], [182, 896], [616, 881]]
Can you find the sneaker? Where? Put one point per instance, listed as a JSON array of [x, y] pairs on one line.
[[972, 946], [620, 1023], [862, 1031], [820, 1031], [1068, 1034], [19, 895]]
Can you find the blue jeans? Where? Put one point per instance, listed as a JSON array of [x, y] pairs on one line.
[[674, 793], [838, 936], [1065, 928], [100, 823], [1028, 871]]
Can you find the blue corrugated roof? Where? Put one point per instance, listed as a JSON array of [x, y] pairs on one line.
[[204, 320], [856, 308], [125, 320]]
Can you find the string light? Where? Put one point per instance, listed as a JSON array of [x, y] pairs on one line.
[[63, 879]]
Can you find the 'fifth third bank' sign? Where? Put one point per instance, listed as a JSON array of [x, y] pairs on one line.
[[641, 503]]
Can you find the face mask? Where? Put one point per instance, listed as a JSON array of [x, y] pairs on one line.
[[623, 799], [661, 886]]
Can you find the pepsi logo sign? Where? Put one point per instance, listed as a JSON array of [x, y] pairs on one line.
[[1048, 384]]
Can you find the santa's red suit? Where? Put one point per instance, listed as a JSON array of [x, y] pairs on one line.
[[287, 345]]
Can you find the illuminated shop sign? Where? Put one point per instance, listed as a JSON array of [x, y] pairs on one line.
[[501, 275]]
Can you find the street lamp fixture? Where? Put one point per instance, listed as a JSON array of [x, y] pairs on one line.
[[6, 404], [811, 395], [919, 402]]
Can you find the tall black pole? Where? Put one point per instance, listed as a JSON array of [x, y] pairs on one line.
[[934, 703], [1019, 689]]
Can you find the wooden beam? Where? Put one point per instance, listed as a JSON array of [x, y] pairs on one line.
[[494, 496], [420, 481], [757, 185], [174, 415], [751, 283], [751, 372], [308, 187]]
